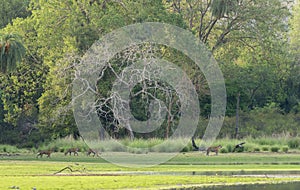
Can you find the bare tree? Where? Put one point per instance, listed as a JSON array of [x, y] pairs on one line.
[[133, 94]]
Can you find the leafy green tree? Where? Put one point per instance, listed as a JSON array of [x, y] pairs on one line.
[[13, 9], [65, 30], [20, 92], [295, 27], [221, 8], [219, 22], [12, 51], [293, 81], [248, 38]]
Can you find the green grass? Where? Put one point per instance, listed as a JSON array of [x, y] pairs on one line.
[[237, 158], [195, 158], [127, 181], [28, 174], [186, 169], [192, 169]]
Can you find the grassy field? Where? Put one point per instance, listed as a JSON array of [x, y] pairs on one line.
[[192, 169]]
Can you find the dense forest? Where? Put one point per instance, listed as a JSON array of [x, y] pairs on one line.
[[256, 43]]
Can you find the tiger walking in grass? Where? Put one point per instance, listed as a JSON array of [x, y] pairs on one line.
[[44, 152], [213, 149], [72, 150], [91, 151]]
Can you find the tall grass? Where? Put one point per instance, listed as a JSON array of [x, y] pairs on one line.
[[140, 145], [262, 144], [278, 144], [61, 145], [294, 143]]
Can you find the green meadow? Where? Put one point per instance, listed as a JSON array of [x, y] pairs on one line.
[[186, 170]]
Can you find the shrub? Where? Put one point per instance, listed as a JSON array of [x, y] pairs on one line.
[[223, 150], [116, 147], [229, 147], [256, 149], [274, 149], [248, 148], [61, 145], [185, 149], [168, 146], [294, 143], [264, 141], [138, 143], [285, 149], [10, 149], [33, 149], [265, 148], [62, 149]]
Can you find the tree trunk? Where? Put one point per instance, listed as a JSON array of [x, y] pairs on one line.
[[131, 135], [101, 132], [169, 120]]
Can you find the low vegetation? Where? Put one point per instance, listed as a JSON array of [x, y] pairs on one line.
[[140, 146]]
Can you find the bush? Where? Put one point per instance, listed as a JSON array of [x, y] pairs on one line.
[[116, 147], [229, 147], [247, 148], [294, 143], [265, 141], [11, 149], [256, 149], [185, 149], [62, 149], [243, 148], [61, 145], [274, 149], [167, 146], [285, 149], [223, 150], [265, 148]]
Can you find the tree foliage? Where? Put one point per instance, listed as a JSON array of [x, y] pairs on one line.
[[255, 47], [11, 52], [293, 80], [219, 22], [13, 9]]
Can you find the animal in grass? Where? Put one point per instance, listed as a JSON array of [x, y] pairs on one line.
[[72, 150], [91, 151], [238, 146], [42, 152], [213, 149]]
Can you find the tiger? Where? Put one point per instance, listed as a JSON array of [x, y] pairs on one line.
[[213, 149], [42, 152], [70, 150], [91, 151]]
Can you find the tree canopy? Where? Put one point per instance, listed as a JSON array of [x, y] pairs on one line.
[[256, 44]]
